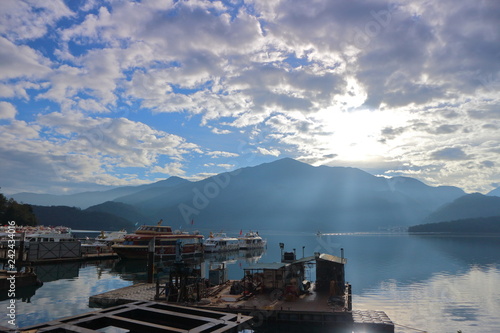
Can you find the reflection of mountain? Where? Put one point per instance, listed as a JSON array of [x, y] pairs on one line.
[[414, 258], [477, 251]]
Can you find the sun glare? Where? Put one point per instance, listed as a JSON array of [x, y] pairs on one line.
[[356, 135]]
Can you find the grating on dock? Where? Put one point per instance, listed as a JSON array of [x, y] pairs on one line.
[[149, 317]]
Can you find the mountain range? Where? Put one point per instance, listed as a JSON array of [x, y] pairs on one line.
[[282, 195]]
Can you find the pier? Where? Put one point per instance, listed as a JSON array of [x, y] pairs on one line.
[[33, 253], [312, 308], [273, 292]]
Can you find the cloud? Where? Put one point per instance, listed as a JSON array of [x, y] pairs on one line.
[[7, 110], [218, 154], [171, 169], [21, 19], [451, 154], [71, 147], [272, 152], [17, 61], [403, 85]]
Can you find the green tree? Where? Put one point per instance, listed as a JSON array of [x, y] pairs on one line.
[[11, 210]]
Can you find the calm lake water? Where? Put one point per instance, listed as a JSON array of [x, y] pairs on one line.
[[424, 283]]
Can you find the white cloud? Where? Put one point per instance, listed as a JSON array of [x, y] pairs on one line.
[[7, 110], [20, 19], [218, 154], [379, 84], [272, 152], [20, 61], [171, 169]]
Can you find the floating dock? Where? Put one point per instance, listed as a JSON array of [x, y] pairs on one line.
[[269, 292], [312, 308], [151, 317]]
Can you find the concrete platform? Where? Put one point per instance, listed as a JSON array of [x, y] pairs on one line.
[[136, 292]]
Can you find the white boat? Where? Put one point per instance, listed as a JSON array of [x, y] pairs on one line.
[[112, 237], [40, 233], [166, 243], [220, 242], [251, 240]]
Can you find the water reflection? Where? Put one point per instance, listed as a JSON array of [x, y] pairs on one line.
[[135, 270]]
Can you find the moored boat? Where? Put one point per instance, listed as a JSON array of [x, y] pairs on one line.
[[220, 242], [251, 240], [166, 243], [37, 233]]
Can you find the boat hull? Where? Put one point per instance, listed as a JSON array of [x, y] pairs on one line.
[[225, 248], [168, 251]]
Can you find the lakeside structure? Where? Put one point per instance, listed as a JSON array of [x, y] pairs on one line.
[[269, 292]]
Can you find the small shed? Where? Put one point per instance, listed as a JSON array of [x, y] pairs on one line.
[[330, 274]]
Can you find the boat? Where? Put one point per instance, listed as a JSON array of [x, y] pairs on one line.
[[220, 242], [251, 240], [167, 243], [37, 233], [111, 237]]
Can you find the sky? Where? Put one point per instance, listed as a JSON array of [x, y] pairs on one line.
[[102, 93]]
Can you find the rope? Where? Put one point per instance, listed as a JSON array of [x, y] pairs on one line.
[[411, 328]]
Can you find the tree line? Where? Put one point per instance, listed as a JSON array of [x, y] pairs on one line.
[[11, 210], [470, 225]]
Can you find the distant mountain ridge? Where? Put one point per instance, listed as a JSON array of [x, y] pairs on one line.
[[76, 218], [284, 194], [468, 206], [478, 225], [495, 192], [86, 199], [294, 195]]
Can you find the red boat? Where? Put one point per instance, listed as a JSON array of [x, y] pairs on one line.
[[167, 242]]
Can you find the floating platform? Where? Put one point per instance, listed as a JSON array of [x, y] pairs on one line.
[[308, 308], [151, 317]]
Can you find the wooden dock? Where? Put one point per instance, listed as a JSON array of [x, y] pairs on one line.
[[309, 308], [149, 317]]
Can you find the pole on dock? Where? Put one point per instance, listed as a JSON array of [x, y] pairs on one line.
[[151, 259], [20, 258]]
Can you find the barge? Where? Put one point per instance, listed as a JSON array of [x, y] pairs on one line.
[[269, 292]]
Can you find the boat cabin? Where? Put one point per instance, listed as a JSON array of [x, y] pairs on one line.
[[157, 229]]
